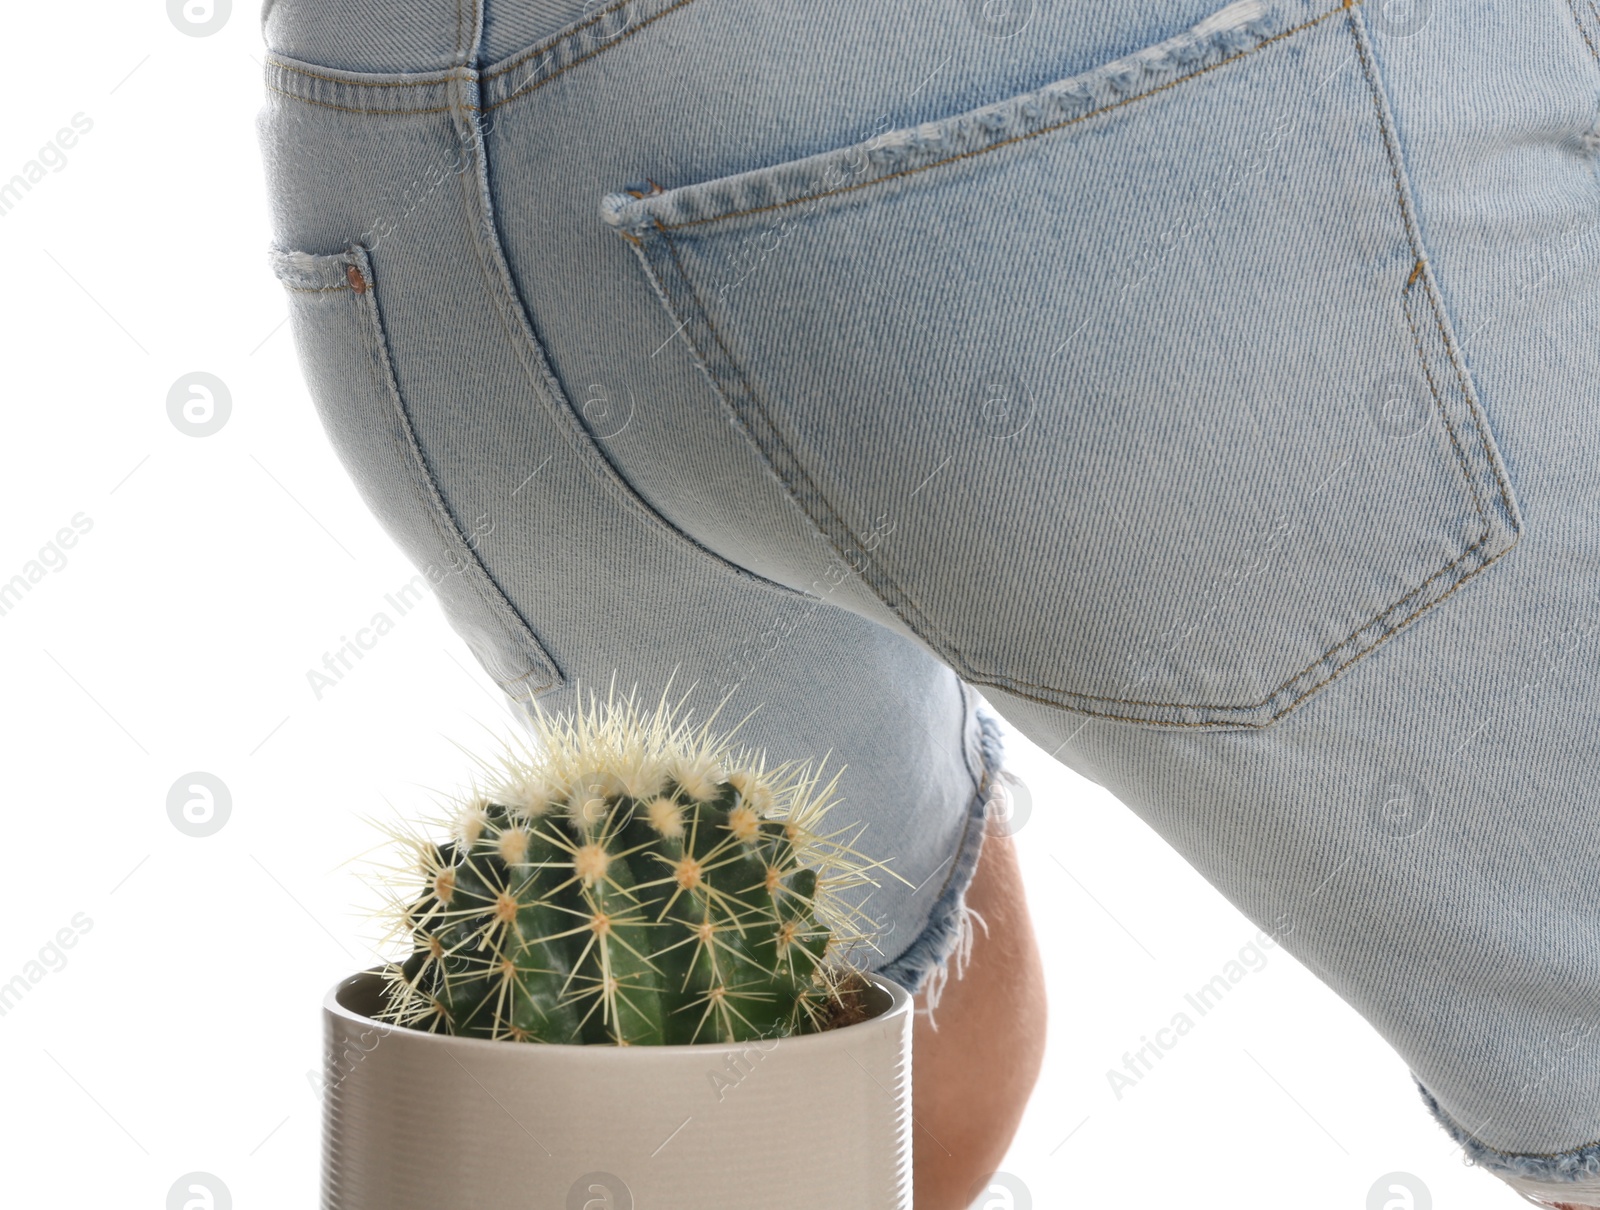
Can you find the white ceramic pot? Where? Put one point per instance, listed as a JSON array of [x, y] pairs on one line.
[[420, 1121]]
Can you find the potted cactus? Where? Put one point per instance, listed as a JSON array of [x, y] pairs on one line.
[[624, 984]]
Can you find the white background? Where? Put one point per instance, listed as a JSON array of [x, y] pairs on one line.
[[177, 637]]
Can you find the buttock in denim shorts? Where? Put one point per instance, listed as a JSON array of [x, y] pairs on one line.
[[1208, 388]]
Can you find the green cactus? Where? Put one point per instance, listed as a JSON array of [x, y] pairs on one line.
[[625, 881]]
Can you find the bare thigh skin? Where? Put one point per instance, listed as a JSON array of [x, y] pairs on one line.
[[973, 1075]]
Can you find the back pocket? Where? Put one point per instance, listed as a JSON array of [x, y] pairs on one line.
[[1133, 395], [338, 329]]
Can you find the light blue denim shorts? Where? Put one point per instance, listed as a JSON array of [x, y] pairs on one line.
[[1213, 390]]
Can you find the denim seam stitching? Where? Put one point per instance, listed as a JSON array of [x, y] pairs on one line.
[[294, 96], [1357, 27], [1483, 538], [551, 676], [519, 58], [798, 482], [1468, 393], [518, 322], [786, 491], [1438, 399], [434, 80], [1376, 642], [498, 71], [1324, 658], [530, 88], [1419, 272], [1032, 134], [1404, 622], [533, 52], [1577, 17]]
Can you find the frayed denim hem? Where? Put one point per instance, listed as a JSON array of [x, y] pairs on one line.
[[924, 967], [1579, 1164]]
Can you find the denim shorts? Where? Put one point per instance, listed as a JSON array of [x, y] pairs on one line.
[[1203, 388]]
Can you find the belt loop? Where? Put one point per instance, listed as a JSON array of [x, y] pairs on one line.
[[464, 89], [469, 32], [464, 92]]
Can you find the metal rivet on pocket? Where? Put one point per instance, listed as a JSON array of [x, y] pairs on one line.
[[358, 282]]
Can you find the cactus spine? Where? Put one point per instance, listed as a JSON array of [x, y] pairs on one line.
[[624, 880]]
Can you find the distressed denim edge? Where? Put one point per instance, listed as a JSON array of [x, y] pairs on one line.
[[924, 965], [1227, 34], [1581, 1163]]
